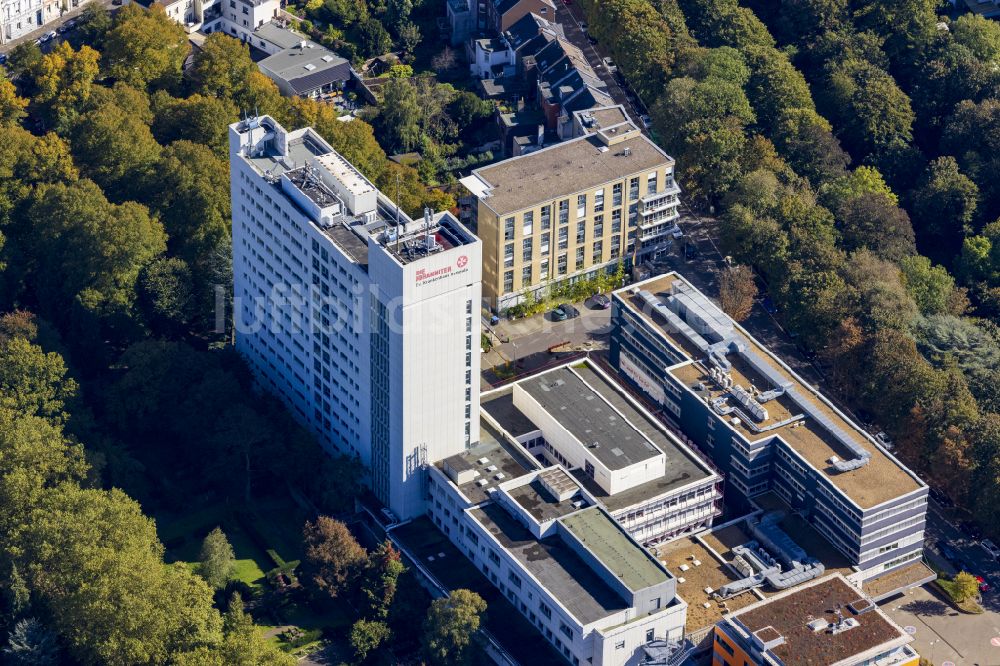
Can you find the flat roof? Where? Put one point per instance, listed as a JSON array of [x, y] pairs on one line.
[[566, 168], [788, 613], [609, 543], [536, 500], [882, 479], [283, 38], [559, 570], [491, 447], [590, 418], [602, 117], [313, 62], [710, 573], [500, 406]]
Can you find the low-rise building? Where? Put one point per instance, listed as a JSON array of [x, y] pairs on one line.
[[579, 417], [569, 568], [502, 14], [828, 622], [568, 211], [307, 69], [765, 427]]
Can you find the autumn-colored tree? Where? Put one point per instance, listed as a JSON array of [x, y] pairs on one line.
[[737, 290], [334, 558]]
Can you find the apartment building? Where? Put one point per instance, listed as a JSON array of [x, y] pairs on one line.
[[566, 565], [363, 321], [579, 417], [237, 18], [502, 14], [823, 622], [570, 210], [764, 426], [19, 17]]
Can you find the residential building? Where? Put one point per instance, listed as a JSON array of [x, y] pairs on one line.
[[19, 17], [307, 69], [237, 18], [462, 19], [569, 568], [363, 321], [271, 38], [491, 58], [502, 14], [827, 622], [765, 427], [568, 211], [579, 417]]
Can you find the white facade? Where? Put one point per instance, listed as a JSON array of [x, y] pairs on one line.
[[368, 340], [20, 17]]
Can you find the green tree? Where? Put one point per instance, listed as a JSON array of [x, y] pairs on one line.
[[450, 625], [114, 147], [378, 582], [91, 247], [95, 22], [223, 69], [34, 382], [166, 295], [62, 82], [930, 286], [367, 636], [334, 559], [145, 47], [372, 38], [944, 206], [242, 644], [216, 559], [409, 37], [397, 13], [23, 57], [401, 115], [31, 643], [95, 561], [197, 118], [872, 221]]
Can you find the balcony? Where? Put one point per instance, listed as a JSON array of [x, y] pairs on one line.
[[653, 203]]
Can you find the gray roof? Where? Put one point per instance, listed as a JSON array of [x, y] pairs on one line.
[[304, 69], [589, 417], [560, 570], [283, 38]]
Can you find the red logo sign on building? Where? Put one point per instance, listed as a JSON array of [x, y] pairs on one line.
[[462, 261]]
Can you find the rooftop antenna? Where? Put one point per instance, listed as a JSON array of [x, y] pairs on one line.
[[397, 213]]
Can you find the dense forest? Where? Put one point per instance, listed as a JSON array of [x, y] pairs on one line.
[[849, 149], [119, 397]]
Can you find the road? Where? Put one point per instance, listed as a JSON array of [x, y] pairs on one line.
[[7, 47], [571, 17]]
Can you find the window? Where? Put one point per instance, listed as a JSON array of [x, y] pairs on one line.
[[566, 631], [508, 229], [526, 276], [544, 247], [508, 255], [581, 205], [564, 211], [598, 226], [581, 232], [544, 610], [494, 558], [563, 238], [579, 257], [529, 221], [599, 201], [543, 269], [651, 183], [649, 635], [508, 281], [620, 645], [616, 194], [633, 189], [526, 249], [546, 217], [598, 251], [616, 221], [561, 264], [514, 580]]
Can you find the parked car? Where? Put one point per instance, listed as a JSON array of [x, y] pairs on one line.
[[3, 58], [940, 497], [610, 64], [990, 548], [570, 311], [49, 36], [884, 440], [983, 585], [583, 26], [948, 553], [647, 122], [600, 302], [690, 251], [591, 39], [971, 529]]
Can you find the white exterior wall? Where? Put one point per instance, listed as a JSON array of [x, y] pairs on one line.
[[434, 338], [571, 448], [19, 17]]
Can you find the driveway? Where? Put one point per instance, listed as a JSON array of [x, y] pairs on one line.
[[941, 634]]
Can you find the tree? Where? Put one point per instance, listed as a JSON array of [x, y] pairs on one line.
[[92, 247], [95, 22], [409, 37], [197, 118], [378, 582], [145, 47], [333, 556], [444, 61], [872, 221], [398, 13], [372, 38], [964, 587], [930, 286], [95, 562], [63, 80], [11, 106], [737, 290], [367, 636], [34, 382], [216, 560], [166, 295], [31, 644], [401, 115], [23, 57], [450, 625], [114, 146], [223, 69], [944, 206]]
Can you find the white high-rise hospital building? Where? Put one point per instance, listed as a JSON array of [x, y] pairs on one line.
[[364, 321]]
